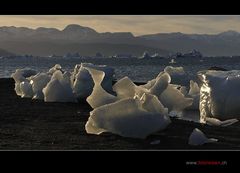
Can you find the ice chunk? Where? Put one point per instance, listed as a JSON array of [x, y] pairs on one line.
[[59, 88], [26, 89], [177, 114], [20, 75], [161, 84], [83, 83], [197, 137], [219, 94], [194, 88], [194, 93], [217, 122], [152, 104], [127, 118], [17, 89], [149, 84], [55, 68], [174, 100], [174, 70], [38, 82], [99, 96], [178, 75], [183, 90], [124, 88]]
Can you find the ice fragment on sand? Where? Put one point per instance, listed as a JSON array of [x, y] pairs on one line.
[[197, 137]]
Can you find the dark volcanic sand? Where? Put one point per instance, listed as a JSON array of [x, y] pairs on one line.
[[27, 124]]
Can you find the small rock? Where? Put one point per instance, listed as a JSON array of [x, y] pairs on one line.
[[155, 142]]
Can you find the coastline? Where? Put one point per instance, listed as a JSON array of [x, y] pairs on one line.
[[27, 124]]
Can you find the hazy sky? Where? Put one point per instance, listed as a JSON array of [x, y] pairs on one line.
[[137, 24]]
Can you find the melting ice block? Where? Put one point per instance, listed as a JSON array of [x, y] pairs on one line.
[[59, 88], [197, 137], [217, 122], [83, 83], [178, 75], [38, 82], [26, 89], [161, 83], [194, 92], [174, 100], [219, 94], [126, 118], [124, 88], [21, 82], [21, 74], [99, 96], [55, 68]]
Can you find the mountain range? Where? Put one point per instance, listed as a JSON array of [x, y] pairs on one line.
[[75, 38]]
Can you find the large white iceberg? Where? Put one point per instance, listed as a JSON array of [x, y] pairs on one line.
[[219, 94]]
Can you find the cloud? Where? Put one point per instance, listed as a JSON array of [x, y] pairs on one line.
[[137, 24]]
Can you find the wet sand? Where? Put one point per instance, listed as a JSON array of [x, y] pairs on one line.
[[27, 124]]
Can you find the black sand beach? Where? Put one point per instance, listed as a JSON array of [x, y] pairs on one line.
[[27, 124]]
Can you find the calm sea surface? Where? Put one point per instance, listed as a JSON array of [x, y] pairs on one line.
[[137, 69]]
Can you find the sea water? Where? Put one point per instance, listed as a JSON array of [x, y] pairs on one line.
[[140, 70]]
